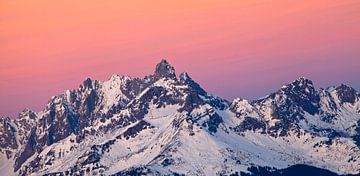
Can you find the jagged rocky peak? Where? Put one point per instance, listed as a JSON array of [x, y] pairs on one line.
[[186, 79], [303, 88], [164, 70], [346, 94], [184, 76], [301, 85], [197, 91], [88, 83], [117, 77], [300, 93], [27, 113]]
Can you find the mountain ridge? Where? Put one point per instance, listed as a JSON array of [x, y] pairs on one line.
[[171, 112]]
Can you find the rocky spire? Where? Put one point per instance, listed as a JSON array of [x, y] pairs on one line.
[[164, 70]]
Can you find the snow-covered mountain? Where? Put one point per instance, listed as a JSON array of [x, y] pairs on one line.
[[168, 125]]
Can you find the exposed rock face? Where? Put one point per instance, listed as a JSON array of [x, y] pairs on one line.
[[346, 94], [7, 137], [168, 125], [164, 70]]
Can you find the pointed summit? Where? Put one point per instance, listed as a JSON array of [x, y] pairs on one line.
[[164, 70], [186, 79], [87, 83], [346, 94], [184, 76], [301, 84], [300, 93]]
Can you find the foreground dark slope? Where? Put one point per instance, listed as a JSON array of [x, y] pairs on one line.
[[164, 124]]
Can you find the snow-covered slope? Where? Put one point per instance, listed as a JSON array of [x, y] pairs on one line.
[[168, 125]]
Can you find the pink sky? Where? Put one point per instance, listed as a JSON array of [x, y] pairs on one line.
[[232, 48]]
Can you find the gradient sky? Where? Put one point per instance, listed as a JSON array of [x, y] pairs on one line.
[[232, 48]]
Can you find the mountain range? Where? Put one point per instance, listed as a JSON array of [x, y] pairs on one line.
[[164, 124]]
